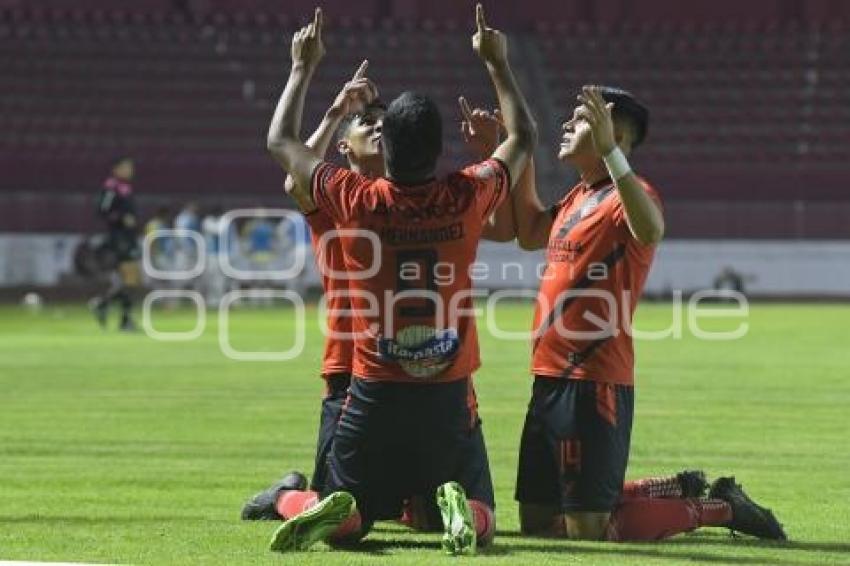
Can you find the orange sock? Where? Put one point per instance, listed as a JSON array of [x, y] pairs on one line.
[[643, 518], [484, 520], [667, 486], [291, 503], [348, 531]]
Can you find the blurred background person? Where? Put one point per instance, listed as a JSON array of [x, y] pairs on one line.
[[186, 252], [259, 240], [161, 246], [117, 208], [213, 281]]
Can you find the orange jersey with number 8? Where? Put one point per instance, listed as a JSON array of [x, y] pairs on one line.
[[408, 252]]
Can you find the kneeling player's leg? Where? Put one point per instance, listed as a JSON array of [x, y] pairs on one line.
[[263, 505], [475, 475], [543, 458], [475, 479], [451, 462], [371, 427], [541, 520], [309, 517], [663, 511], [595, 466], [331, 518], [689, 483], [337, 390], [643, 518], [727, 506], [420, 514]]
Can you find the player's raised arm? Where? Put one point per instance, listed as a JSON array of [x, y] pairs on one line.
[[283, 138], [343, 104], [533, 220], [481, 131], [643, 215], [518, 146], [283, 141]]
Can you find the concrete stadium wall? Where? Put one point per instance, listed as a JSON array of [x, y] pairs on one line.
[[775, 268]]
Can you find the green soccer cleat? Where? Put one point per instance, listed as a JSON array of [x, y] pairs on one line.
[[459, 536], [315, 524]]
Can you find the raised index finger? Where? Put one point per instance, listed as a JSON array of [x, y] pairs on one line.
[[317, 21], [361, 70], [479, 17], [465, 108]]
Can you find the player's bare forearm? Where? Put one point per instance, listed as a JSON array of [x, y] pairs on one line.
[[352, 94], [492, 46], [286, 120], [532, 219], [643, 215], [500, 226], [319, 142], [520, 125], [283, 142]]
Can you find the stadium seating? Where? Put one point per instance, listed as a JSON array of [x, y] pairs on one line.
[[740, 109]]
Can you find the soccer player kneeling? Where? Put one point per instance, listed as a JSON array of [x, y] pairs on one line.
[[600, 242], [408, 417]]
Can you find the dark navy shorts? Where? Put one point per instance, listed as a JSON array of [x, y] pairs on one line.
[[398, 440], [337, 390], [575, 444]]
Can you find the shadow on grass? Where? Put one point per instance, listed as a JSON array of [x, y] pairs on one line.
[[645, 550], [662, 550], [380, 547], [757, 543], [720, 537]]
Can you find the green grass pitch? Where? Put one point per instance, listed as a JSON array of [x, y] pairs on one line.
[[118, 448]]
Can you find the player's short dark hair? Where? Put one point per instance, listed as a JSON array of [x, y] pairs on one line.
[[375, 107], [629, 109], [412, 136]]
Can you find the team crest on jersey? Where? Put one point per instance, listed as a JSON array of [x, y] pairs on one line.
[[421, 351]]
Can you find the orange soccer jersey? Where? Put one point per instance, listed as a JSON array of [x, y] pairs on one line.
[[595, 272], [408, 251], [339, 349]]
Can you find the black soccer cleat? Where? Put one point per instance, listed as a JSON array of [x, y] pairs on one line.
[[693, 483], [747, 516], [262, 507]]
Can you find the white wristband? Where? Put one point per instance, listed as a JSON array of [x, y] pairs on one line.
[[617, 164]]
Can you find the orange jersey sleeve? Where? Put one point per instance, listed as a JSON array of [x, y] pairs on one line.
[[338, 191], [492, 185]]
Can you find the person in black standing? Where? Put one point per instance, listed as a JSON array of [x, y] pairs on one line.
[[117, 208]]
